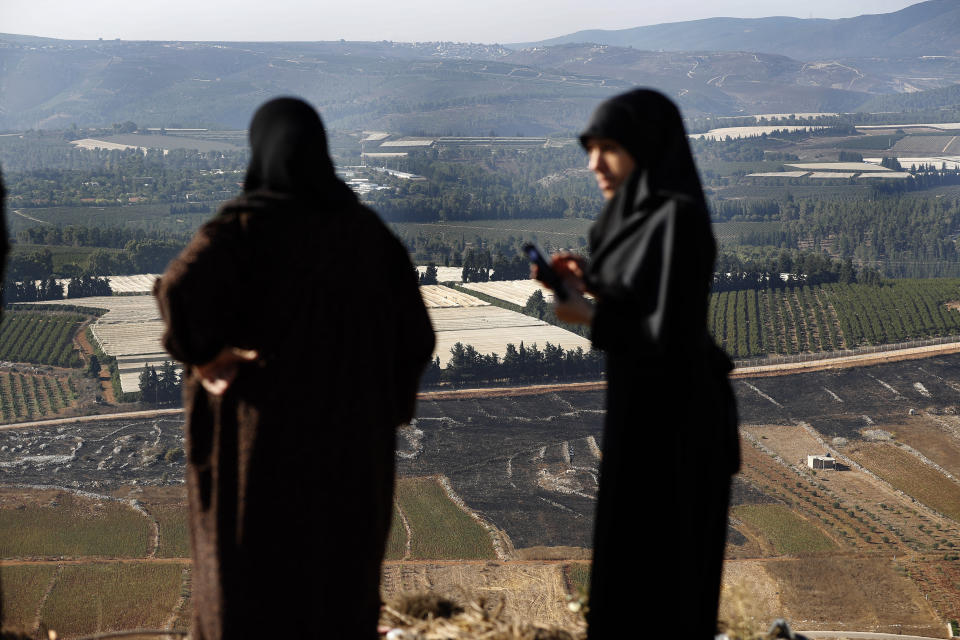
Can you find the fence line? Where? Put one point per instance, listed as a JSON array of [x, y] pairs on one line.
[[773, 359]]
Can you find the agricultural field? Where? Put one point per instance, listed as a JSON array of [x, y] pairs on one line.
[[40, 338], [489, 329], [750, 323], [95, 597], [24, 589], [910, 474], [525, 461], [149, 217], [27, 393], [736, 133], [437, 296], [48, 523], [445, 274], [61, 255], [129, 331], [513, 291], [788, 533], [426, 508]]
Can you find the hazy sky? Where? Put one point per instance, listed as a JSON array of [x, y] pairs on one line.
[[485, 21]]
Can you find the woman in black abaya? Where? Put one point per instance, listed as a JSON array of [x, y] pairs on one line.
[[300, 324], [670, 443]]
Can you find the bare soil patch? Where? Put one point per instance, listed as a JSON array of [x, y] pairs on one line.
[[909, 474], [852, 593]]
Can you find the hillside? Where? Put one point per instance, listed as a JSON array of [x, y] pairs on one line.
[[423, 89], [926, 28]]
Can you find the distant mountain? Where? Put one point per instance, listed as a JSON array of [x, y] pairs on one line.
[[438, 88], [924, 29]]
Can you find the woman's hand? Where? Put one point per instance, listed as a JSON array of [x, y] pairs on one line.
[[570, 267], [575, 308], [217, 375]]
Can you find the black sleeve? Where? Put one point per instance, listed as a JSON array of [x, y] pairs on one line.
[[660, 304], [199, 296], [413, 334]]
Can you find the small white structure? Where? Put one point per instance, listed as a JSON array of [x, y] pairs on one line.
[[825, 461]]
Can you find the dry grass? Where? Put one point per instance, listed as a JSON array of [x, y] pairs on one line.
[[62, 524], [862, 593], [910, 475], [932, 436], [174, 530], [428, 617], [533, 593], [23, 587]]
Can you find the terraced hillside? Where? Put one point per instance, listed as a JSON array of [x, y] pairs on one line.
[[874, 545]]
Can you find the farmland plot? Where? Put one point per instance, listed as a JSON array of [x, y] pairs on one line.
[[513, 291], [104, 597], [24, 586], [26, 393], [58, 523], [130, 331], [437, 296], [852, 593]]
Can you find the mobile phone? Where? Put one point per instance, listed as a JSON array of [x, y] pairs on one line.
[[546, 273]]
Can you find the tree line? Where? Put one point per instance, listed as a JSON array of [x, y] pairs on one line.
[[50, 289], [527, 364]]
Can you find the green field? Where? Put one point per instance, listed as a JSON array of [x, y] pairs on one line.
[[440, 530], [62, 255], [112, 596], [27, 396], [397, 541], [786, 531], [750, 323], [39, 338], [62, 524], [149, 217]]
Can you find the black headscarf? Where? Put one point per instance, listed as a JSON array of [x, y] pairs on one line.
[[290, 155], [652, 249]]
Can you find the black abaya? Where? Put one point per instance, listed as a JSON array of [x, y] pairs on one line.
[[670, 442], [290, 472]]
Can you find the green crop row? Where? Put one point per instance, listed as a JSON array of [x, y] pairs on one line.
[[72, 526], [29, 396], [439, 529], [40, 338], [810, 319]]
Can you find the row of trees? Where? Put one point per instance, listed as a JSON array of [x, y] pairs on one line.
[[160, 387], [51, 289], [519, 364]]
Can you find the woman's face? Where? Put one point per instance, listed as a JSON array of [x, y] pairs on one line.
[[610, 163]]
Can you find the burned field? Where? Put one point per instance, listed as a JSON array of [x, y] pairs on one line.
[[526, 464]]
